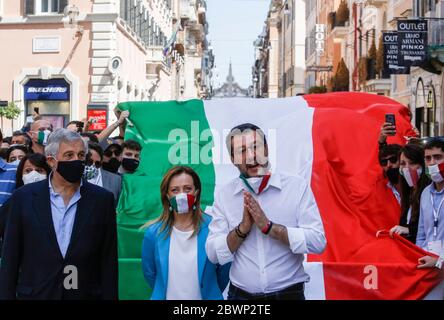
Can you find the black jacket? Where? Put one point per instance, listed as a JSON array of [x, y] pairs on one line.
[[3, 218], [32, 265]]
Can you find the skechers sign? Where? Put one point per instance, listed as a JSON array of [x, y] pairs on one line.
[[54, 89]]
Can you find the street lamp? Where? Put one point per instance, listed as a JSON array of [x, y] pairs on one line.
[[72, 13], [287, 10]]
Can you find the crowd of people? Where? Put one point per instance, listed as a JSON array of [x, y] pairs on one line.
[[415, 174], [59, 190], [66, 181]]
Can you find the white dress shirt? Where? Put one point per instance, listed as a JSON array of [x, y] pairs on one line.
[[262, 264], [395, 192]]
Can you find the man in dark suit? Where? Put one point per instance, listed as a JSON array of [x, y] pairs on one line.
[[61, 239]]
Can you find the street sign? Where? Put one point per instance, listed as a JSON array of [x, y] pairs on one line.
[[412, 42], [391, 54], [319, 68], [3, 103], [98, 117], [320, 39]]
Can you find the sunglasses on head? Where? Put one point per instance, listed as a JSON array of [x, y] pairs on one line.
[[392, 159]]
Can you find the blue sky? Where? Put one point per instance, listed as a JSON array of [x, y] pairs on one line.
[[234, 25]]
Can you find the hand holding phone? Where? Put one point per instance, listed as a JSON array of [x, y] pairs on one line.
[[391, 130]]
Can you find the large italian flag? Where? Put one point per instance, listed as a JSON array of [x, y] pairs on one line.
[[329, 139]]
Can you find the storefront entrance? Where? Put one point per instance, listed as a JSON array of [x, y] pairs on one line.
[[51, 97]]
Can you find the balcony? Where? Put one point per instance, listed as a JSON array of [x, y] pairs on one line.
[[339, 25], [188, 10], [340, 32], [376, 3], [436, 44], [201, 11], [381, 86], [154, 55]]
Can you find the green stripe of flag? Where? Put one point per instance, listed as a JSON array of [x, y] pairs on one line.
[[154, 125]]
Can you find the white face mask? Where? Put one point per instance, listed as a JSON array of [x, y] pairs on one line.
[[16, 162], [435, 173], [255, 183], [32, 177]]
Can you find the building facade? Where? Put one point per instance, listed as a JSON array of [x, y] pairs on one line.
[[354, 36], [74, 58], [279, 65]]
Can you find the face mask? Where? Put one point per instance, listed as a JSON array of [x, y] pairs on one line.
[[43, 137], [130, 165], [393, 175], [436, 172], [411, 176], [15, 163], [111, 166], [256, 184], [90, 172], [183, 203], [71, 171], [32, 177]]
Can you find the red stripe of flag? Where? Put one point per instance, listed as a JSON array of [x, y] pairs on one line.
[[354, 201]]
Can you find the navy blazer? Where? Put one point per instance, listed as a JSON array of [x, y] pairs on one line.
[[32, 265], [213, 279]]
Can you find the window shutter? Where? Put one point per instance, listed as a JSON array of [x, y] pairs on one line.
[[29, 7], [62, 5]]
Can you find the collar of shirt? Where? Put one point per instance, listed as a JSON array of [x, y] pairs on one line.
[[275, 181], [52, 192], [4, 166], [434, 191]]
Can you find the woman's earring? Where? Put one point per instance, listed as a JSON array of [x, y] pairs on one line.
[[170, 208], [194, 208]]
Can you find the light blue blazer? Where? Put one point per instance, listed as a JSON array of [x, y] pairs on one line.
[[213, 279]]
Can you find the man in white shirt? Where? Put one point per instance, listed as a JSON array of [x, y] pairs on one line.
[[430, 235], [263, 223]]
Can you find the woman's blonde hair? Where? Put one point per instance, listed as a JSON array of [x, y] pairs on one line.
[[167, 216]]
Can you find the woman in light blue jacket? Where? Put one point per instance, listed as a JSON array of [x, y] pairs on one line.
[[174, 260]]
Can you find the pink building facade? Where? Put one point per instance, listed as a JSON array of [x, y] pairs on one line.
[[71, 57]]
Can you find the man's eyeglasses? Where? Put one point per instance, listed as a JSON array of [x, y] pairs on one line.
[[110, 153], [392, 159]]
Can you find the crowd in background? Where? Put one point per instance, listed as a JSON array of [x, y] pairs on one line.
[[415, 174], [69, 180]]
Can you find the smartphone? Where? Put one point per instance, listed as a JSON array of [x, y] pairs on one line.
[[36, 110], [390, 118]]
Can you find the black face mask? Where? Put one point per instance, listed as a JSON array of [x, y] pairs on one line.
[[111, 166], [130, 165], [393, 175], [71, 171]]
